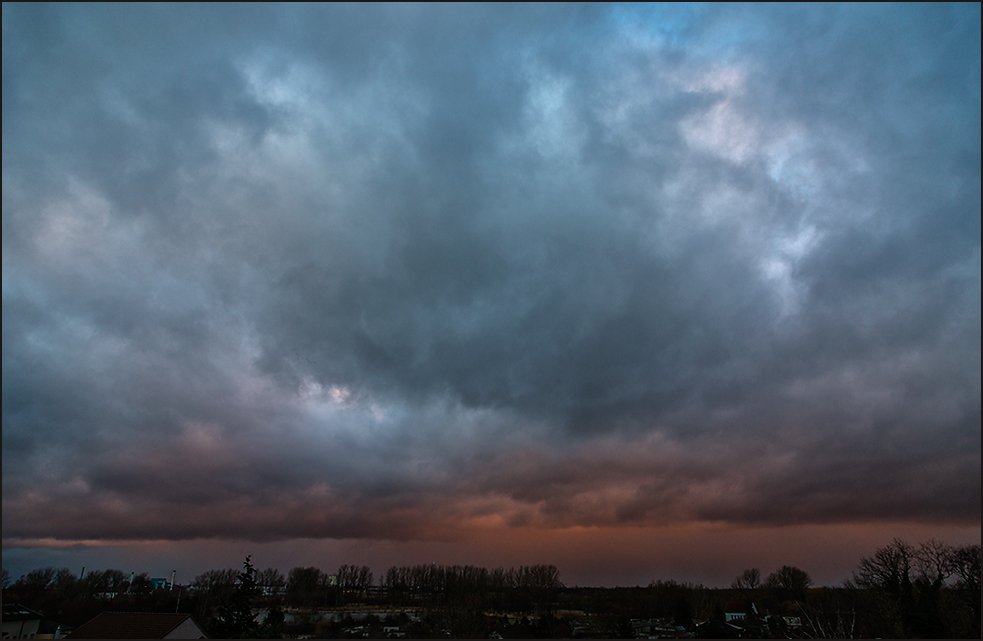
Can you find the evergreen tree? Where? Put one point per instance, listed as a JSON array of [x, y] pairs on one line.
[[235, 619], [272, 627]]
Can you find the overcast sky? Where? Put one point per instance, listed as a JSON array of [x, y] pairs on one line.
[[436, 279]]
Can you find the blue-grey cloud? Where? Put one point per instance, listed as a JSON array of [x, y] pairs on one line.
[[331, 268]]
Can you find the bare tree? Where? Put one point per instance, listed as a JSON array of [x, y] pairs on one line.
[[213, 587], [911, 583], [791, 579], [830, 614], [105, 583], [749, 579], [304, 587], [363, 578], [934, 562], [270, 581], [354, 580], [966, 566], [889, 569]]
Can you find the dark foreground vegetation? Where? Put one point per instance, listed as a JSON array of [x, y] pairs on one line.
[[929, 590]]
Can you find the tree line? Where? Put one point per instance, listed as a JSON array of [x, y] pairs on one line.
[[926, 590], [73, 598], [453, 598], [920, 591]]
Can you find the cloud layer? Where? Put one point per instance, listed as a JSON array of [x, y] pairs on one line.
[[415, 272]]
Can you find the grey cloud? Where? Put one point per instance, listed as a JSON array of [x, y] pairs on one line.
[[485, 232]]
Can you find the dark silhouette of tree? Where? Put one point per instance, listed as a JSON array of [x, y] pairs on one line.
[[682, 613], [140, 585], [272, 626], [933, 562], [353, 580], [791, 582], [910, 594], [38, 579], [305, 587], [105, 584], [270, 581], [35, 589], [966, 566], [235, 619], [931, 589], [889, 569], [212, 588], [831, 613], [749, 579]]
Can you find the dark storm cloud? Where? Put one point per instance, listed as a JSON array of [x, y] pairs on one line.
[[319, 271]]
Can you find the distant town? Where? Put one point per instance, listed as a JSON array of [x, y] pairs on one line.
[[901, 591]]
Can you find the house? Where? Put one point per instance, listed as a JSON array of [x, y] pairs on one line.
[[23, 623], [657, 629], [139, 625], [716, 629], [792, 619], [739, 610]]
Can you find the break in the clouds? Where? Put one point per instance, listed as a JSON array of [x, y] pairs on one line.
[[414, 272]]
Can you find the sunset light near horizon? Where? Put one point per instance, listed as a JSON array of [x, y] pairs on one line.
[[644, 292]]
